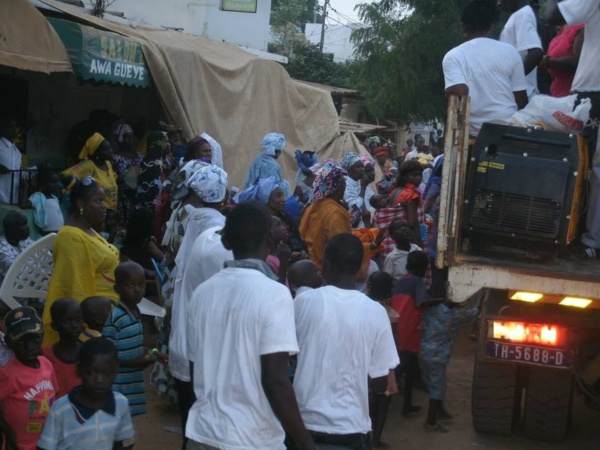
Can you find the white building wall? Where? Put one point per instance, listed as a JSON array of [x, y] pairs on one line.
[[337, 39], [202, 18]]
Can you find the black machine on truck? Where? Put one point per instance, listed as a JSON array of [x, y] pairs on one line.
[[510, 211]]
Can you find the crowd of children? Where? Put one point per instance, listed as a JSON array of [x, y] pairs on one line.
[[82, 391]]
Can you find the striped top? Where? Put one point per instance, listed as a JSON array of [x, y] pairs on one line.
[[71, 425], [124, 329]]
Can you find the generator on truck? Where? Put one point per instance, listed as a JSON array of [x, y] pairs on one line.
[[510, 210]]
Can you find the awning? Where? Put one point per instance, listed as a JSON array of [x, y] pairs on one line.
[[103, 56], [355, 127], [27, 41]]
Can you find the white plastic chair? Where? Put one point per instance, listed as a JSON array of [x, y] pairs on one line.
[[29, 275]]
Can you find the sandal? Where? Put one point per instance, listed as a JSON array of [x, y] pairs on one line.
[[591, 253]]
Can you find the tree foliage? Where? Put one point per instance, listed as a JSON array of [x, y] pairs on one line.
[[307, 63], [400, 52], [305, 60]]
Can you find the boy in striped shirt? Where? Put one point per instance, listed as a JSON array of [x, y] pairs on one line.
[[124, 328], [91, 415]]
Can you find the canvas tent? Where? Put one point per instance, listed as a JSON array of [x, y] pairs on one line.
[[234, 96], [27, 41]]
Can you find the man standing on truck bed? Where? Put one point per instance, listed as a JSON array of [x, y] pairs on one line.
[[520, 31], [587, 85], [491, 72]]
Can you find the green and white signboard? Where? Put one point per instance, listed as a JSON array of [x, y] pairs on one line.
[[246, 6]]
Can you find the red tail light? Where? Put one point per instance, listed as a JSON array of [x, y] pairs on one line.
[[528, 333]]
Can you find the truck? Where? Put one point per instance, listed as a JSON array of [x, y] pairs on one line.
[[510, 212]]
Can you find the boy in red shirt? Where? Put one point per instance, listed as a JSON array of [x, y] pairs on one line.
[[408, 294], [67, 321], [27, 383]]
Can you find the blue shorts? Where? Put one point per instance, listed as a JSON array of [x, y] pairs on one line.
[[434, 376]]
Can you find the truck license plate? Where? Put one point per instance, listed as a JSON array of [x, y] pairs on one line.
[[528, 354]]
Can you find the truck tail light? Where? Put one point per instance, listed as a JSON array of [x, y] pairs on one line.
[[528, 333], [574, 301], [530, 297]]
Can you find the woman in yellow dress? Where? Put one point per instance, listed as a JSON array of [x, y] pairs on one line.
[[84, 263], [95, 156]]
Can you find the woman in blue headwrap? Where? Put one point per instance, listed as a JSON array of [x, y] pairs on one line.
[[265, 165], [269, 191]]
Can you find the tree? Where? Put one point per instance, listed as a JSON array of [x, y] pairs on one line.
[[307, 63], [400, 53], [307, 10]]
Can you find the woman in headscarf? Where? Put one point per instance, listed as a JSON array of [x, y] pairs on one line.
[[304, 176], [154, 169], [265, 165], [369, 164], [127, 162], [327, 216], [95, 158], [405, 203], [199, 149], [198, 193], [358, 192], [270, 192], [84, 262]]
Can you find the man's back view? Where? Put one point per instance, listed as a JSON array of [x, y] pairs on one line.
[[344, 339], [240, 332]]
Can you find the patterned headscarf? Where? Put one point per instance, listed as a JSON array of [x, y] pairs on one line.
[[91, 145], [261, 191], [181, 187], [328, 180], [209, 183], [349, 159], [272, 142]]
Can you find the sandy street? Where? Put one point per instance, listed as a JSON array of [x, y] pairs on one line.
[[403, 433]]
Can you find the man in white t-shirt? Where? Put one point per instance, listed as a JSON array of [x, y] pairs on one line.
[[205, 258], [489, 71], [520, 31], [587, 85], [240, 333], [344, 338], [10, 159]]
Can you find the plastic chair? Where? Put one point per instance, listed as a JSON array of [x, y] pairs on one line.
[[29, 275]]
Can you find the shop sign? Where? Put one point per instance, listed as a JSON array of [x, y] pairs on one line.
[[246, 6]]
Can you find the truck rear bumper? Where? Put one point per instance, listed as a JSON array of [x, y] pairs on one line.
[[466, 279]]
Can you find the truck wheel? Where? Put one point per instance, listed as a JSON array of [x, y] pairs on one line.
[[548, 404], [495, 400]]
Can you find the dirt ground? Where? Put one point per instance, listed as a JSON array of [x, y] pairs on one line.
[[159, 429]]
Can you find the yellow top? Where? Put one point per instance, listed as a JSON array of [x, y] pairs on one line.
[[84, 266], [107, 179], [323, 220]]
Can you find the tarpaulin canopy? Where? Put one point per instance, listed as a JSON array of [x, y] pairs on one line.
[[103, 56], [27, 41], [235, 97]]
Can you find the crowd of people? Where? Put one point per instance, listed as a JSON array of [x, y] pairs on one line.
[[293, 313], [249, 367]]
